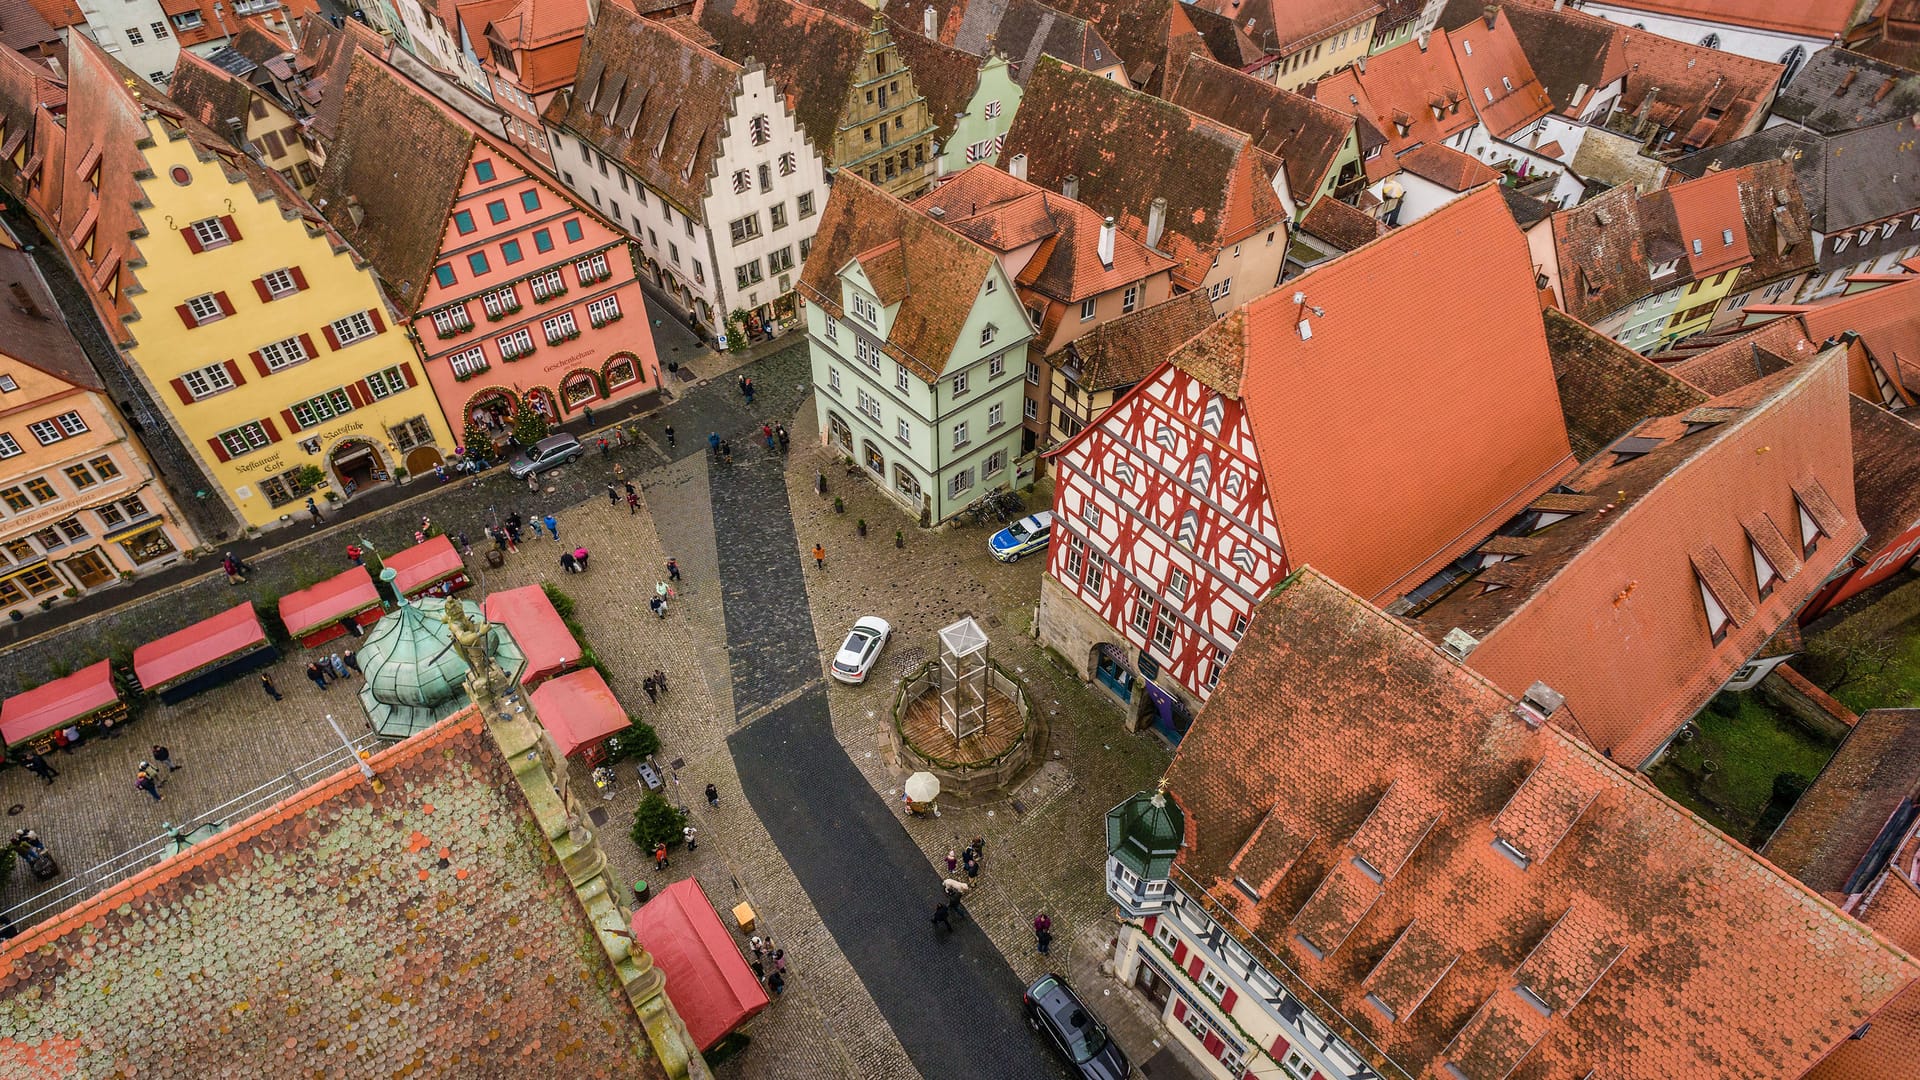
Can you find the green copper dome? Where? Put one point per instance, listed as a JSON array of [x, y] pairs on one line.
[[1144, 834], [414, 674]]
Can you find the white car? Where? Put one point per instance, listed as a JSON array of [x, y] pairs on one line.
[[857, 654]]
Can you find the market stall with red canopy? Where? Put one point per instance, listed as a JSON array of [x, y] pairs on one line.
[[537, 628], [319, 614], [208, 653], [430, 569], [580, 712], [86, 698], [713, 988]]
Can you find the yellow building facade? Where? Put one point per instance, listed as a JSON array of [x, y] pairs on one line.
[[271, 351], [1315, 60], [1693, 311]]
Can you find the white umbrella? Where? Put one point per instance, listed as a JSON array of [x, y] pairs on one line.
[[923, 787]]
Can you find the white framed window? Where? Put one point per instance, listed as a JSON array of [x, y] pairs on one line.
[[1129, 299], [746, 228], [747, 274], [960, 384], [833, 329], [988, 333], [1177, 584], [205, 308], [515, 345], [1033, 373], [46, 431], [386, 383], [833, 379], [1030, 409], [961, 483], [864, 309], [468, 362], [283, 353], [1219, 289], [1143, 614], [760, 130], [134, 37], [1089, 308], [280, 283], [1091, 515], [1076, 555], [7, 385], [452, 320], [1764, 574], [904, 432], [789, 163], [604, 310], [996, 416], [1096, 571], [207, 381], [549, 284], [867, 353], [1163, 631], [1716, 615], [868, 405], [351, 328], [1239, 626], [1809, 530], [8, 447], [211, 232], [244, 439], [321, 408], [900, 376], [501, 302], [960, 437], [592, 269], [997, 366], [559, 327], [1215, 986], [995, 464]]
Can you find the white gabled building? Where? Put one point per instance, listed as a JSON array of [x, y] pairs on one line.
[[699, 159]]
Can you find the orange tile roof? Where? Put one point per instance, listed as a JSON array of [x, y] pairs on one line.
[[1284, 27], [1749, 355], [1447, 167], [1305, 134], [1661, 949], [1712, 230], [1822, 19], [1607, 389], [1682, 85], [1429, 457], [1608, 610], [1401, 88], [1491, 61], [344, 923]]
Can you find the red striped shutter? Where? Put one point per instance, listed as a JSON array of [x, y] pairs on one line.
[[260, 364], [1198, 965], [299, 279], [1279, 1048], [1152, 921], [333, 340], [1179, 952], [233, 372], [233, 231], [407, 371], [193, 245], [180, 387], [379, 324], [219, 449], [1227, 999], [260, 286], [186, 316], [273, 433], [1179, 1009], [306, 343], [226, 305], [292, 424]]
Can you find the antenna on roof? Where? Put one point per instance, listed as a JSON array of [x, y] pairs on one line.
[[1306, 328]]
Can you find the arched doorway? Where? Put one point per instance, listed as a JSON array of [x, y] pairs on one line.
[[357, 465], [541, 400], [579, 387], [423, 459], [839, 433], [875, 461], [1111, 670]]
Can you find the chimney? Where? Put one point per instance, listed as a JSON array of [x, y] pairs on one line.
[[1070, 187], [1559, 4], [1491, 14], [1017, 166], [354, 211], [1156, 222], [24, 300], [1106, 243], [1422, 39], [930, 23], [1360, 65]]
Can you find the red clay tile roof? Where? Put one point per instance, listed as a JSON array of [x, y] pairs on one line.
[[1284, 27], [1747, 356], [1491, 60], [1886, 471], [811, 55], [1566, 49], [329, 51], [1401, 88], [380, 925], [1711, 226], [59, 14], [1809, 18], [933, 272], [1301, 132], [1607, 389], [1447, 167], [42, 340], [1428, 458], [1128, 148], [992, 208], [1120, 353], [675, 100], [1220, 38], [1679, 83], [1834, 826], [1887, 320], [1341, 225], [210, 94], [1645, 931], [1620, 578]]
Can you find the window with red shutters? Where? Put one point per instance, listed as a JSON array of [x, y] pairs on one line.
[[292, 424], [1213, 1043], [226, 305], [219, 450], [1179, 1006], [233, 372], [260, 288], [1196, 967], [1179, 952], [180, 388], [233, 231], [1227, 999], [299, 279], [1152, 921], [193, 245]]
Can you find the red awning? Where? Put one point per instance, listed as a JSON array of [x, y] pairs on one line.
[[43, 708], [423, 564], [536, 627], [578, 709], [713, 988], [333, 599], [232, 631]]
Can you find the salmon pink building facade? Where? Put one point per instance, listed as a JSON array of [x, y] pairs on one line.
[[514, 291]]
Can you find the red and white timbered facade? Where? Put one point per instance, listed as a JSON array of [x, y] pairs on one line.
[[1164, 534]]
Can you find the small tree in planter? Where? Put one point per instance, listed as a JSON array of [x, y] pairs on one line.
[[530, 425], [656, 822]]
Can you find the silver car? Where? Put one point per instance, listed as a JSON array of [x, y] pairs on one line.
[[550, 452]]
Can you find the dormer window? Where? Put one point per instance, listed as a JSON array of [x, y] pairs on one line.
[[1809, 531], [864, 309], [1660, 270], [1764, 575], [1488, 90], [1717, 619], [1506, 82]]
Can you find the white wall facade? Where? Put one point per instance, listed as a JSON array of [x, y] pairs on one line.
[[1772, 46], [151, 57]]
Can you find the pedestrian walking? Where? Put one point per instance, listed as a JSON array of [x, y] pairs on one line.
[[319, 677], [145, 783], [741, 380], [314, 509], [953, 861], [533, 483], [819, 557], [780, 961], [660, 856], [692, 844], [236, 570], [759, 972], [567, 563], [339, 666], [266, 684], [440, 471], [632, 492], [165, 757], [1042, 932], [606, 450], [587, 411], [766, 432], [713, 796], [749, 391], [660, 681], [513, 538], [499, 538], [713, 443], [533, 523], [780, 432], [72, 732], [613, 495], [552, 526], [758, 945], [580, 558], [956, 891], [971, 863], [353, 662], [940, 917], [646, 684], [38, 766], [356, 556], [633, 503], [669, 434], [673, 570], [466, 549], [777, 983], [726, 452]]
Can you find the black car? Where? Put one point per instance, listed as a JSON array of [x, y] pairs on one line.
[[1055, 1010]]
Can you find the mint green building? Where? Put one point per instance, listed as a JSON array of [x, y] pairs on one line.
[[981, 129]]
